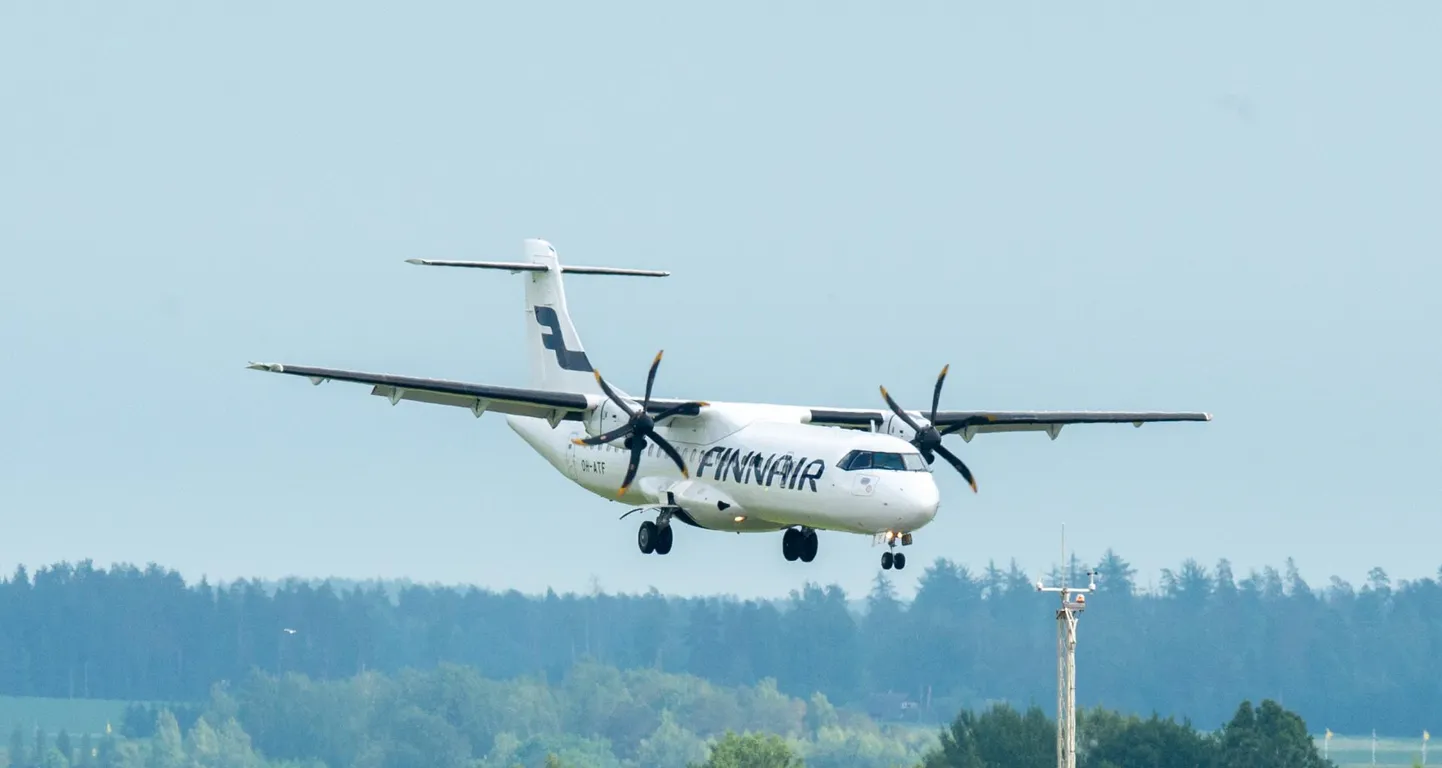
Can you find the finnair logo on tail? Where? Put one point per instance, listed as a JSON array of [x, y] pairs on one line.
[[568, 359]]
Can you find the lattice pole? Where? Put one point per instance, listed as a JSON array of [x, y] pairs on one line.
[[1073, 602]]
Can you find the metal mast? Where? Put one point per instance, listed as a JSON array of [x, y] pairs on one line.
[[1073, 602]]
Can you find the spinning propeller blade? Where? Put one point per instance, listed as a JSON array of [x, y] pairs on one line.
[[928, 438], [640, 426]]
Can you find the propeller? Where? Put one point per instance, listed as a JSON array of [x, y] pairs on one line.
[[928, 438], [640, 426]]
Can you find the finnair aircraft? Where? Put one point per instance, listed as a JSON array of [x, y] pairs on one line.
[[736, 467]]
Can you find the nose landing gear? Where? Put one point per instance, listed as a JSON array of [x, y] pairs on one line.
[[891, 559]]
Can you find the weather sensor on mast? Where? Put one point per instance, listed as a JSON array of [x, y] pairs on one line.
[[1073, 602]]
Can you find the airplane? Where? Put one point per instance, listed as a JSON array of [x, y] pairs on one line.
[[716, 466]]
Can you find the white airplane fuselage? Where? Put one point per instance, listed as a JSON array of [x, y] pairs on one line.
[[754, 475]]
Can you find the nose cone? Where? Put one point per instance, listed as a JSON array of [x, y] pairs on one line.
[[919, 499]]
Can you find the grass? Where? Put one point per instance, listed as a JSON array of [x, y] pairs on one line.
[[1356, 751], [76, 716]]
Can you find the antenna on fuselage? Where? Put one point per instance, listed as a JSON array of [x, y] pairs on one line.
[[1073, 602]]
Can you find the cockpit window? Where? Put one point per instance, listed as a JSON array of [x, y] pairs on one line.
[[856, 460], [905, 462], [887, 461]]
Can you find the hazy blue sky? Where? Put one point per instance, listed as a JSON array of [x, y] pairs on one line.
[[1232, 209]]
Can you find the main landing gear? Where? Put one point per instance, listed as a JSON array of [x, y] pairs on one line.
[[895, 560], [655, 537], [799, 544]]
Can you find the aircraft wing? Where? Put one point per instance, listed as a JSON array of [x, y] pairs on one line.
[[557, 406], [971, 423], [478, 398]]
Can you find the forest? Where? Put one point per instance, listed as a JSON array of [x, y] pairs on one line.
[[1351, 659], [600, 717], [450, 716]]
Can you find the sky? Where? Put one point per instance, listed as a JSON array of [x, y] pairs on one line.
[[1230, 208]]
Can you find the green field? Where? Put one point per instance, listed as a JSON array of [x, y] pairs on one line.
[[1356, 751], [77, 716]]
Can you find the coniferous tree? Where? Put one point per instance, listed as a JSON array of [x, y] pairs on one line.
[[63, 745], [42, 746], [167, 749], [16, 751]]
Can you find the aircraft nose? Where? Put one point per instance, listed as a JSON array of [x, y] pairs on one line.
[[920, 498]]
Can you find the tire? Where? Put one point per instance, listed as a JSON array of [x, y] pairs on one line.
[[663, 540], [808, 546], [646, 537]]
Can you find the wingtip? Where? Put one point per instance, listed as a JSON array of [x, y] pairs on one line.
[[415, 261], [275, 367]]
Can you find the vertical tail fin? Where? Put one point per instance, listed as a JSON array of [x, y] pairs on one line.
[[557, 360]]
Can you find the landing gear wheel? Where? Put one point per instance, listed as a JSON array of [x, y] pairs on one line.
[[646, 537], [791, 544], [799, 544], [886, 560], [898, 561], [663, 541], [808, 546]]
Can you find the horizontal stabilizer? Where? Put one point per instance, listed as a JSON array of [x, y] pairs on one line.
[[522, 266]]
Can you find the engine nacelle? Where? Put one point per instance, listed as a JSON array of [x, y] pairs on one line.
[[604, 418], [894, 426]]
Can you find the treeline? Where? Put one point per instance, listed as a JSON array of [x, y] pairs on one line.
[[600, 717], [451, 717], [1266, 736], [1348, 658], [204, 746]]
